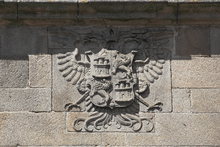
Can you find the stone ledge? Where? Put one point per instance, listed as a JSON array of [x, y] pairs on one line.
[[87, 1]]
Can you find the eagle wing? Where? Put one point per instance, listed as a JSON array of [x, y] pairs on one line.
[[70, 68], [149, 70]]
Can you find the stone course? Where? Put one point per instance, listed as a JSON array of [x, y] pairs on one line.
[[33, 93]]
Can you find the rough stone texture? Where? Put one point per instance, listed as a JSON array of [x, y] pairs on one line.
[[19, 42], [215, 41], [127, 11], [7, 10], [41, 129], [14, 73], [198, 13], [113, 139], [25, 99], [181, 129], [48, 11], [205, 100], [40, 71], [197, 72], [181, 100], [192, 41]]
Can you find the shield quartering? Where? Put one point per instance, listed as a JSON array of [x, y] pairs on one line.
[[113, 82]]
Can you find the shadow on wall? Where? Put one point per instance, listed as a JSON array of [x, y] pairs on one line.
[[179, 42]]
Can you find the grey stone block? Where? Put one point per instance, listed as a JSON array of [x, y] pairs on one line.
[[48, 11], [113, 139], [198, 13], [215, 41], [205, 100], [25, 99], [193, 41], [181, 129], [19, 42], [40, 71], [14, 73], [41, 129], [181, 100], [198, 72], [8, 11]]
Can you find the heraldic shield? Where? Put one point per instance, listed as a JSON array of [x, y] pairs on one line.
[[113, 71], [111, 84]]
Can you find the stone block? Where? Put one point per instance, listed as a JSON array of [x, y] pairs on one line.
[[116, 10], [205, 100], [25, 99], [181, 100], [121, 12], [8, 11], [193, 41], [196, 73], [49, 11], [181, 129], [198, 13], [41, 129], [40, 71], [14, 73], [19, 42], [113, 139], [215, 41]]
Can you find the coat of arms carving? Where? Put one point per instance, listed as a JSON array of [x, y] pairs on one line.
[[112, 84]]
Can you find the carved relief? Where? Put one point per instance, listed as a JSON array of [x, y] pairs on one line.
[[112, 85]]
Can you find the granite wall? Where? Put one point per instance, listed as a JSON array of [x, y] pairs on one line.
[[33, 92]]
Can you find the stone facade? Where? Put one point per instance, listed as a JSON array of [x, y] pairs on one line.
[[166, 55]]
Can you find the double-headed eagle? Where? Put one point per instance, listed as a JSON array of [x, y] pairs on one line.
[[112, 84]]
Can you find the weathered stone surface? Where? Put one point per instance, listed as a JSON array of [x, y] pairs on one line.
[[40, 71], [7, 11], [181, 129], [192, 41], [198, 72], [147, 127], [117, 38], [19, 42], [205, 100], [120, 9], [198, 13], [41, 129], [48, 11], [215, 41], [25, 99], [181, 100], [113, 139], [14, 73]]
